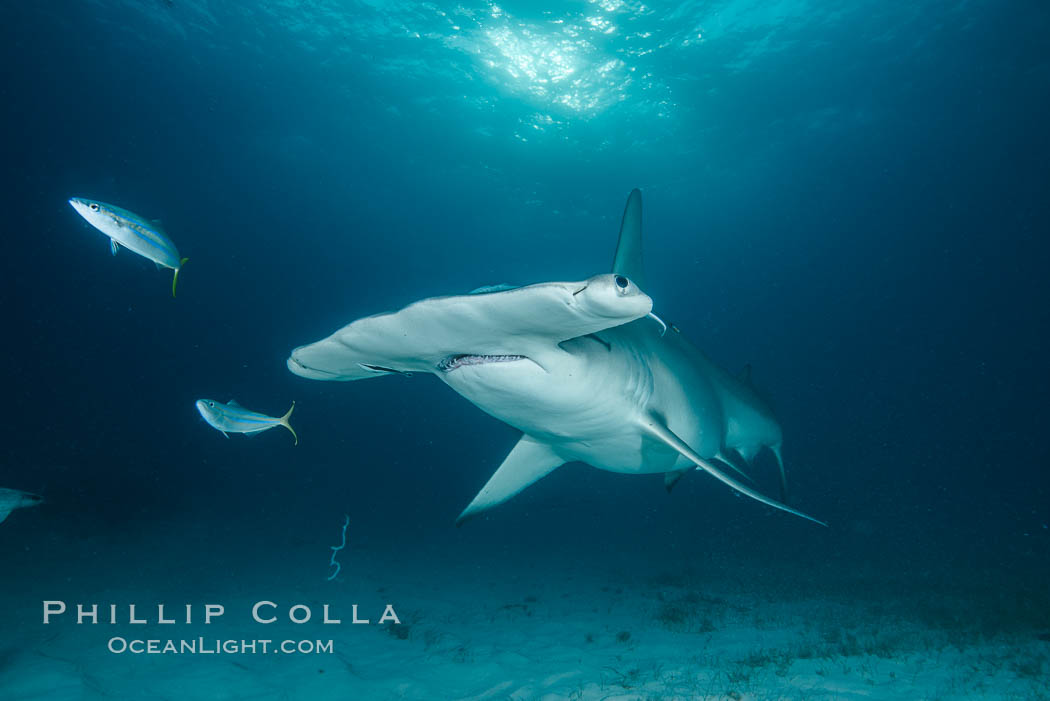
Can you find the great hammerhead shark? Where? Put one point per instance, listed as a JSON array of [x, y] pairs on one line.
[[581, 368]]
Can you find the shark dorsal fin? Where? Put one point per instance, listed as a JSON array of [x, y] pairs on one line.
[[628, 261]]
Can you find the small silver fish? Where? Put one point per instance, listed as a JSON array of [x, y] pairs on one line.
[[11, 499], [489, 289], [135, 233], [233, 418]]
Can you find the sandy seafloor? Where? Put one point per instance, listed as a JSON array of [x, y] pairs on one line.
[[542, 624]]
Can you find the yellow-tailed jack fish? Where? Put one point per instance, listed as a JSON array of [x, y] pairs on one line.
[[233, 418], [135, 233]]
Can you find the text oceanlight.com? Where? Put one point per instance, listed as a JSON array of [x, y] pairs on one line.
[[204, 646]]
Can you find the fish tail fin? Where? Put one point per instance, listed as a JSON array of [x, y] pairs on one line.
[[175, 280], [284, 422]]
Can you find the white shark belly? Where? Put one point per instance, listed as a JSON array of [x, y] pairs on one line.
[[550, 407], [581, 408], [611, 446], [627, 452]]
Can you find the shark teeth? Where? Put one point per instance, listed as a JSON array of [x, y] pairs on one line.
[[457, 361]]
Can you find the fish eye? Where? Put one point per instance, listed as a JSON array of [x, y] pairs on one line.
[[211, 404], [93, 207], [622, 282]]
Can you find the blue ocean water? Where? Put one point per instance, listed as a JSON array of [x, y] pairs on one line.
[[849, 196]]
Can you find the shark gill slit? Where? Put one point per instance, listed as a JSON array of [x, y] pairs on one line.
[[597, 338]]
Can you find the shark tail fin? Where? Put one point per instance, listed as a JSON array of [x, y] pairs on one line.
[[658, 431], [628, 260], [4, 513], [175, 280], [775, 449], [284, 422], [527, 462]]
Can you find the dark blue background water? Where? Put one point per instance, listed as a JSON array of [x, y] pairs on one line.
[[851, 196]]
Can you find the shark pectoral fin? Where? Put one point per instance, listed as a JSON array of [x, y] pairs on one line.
[[671, 478], [527, 462], [663, 325], [657, 430], [114, 247], [4, 513]]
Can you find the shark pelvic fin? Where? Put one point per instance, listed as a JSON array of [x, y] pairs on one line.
[[628, 260], [657, 430], [527, 462], [732, 465], [671, 478]]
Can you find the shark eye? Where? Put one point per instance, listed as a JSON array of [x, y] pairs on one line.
[[93, 207], [622, 282]]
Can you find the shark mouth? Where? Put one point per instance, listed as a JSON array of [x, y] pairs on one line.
[[299, 367], [457, 361]]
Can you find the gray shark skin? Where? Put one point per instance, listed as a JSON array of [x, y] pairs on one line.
[[577, 368], [11, 499]]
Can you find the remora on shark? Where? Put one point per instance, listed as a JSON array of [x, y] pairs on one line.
[[576, 368]]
